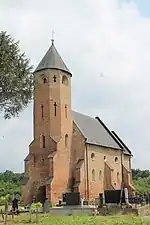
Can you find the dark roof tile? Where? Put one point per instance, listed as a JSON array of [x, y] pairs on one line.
[[52, 60], [95, 131]]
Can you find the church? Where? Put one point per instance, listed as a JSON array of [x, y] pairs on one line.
[[70, 152]]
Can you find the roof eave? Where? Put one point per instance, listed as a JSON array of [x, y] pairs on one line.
[[52, 68], [114, 133], [99, 145], [110, 133]]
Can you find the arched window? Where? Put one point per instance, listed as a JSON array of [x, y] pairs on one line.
[[93, 175], [42, 141], [100, 175], [116, 159], [64, 80], [66, 140]]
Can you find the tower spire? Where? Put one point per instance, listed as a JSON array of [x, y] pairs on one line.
[[52, 60]]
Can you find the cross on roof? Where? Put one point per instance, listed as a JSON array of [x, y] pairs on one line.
[[52, 36]]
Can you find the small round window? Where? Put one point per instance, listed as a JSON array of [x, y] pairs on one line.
[[92, 155]]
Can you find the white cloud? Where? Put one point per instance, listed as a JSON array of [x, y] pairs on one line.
[[107, 37]]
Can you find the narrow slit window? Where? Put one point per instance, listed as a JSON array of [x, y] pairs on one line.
[[42, 111], [100, 175], [66, 111], [43, 141], [66, 140], [55, 108], [93, 175], [118, 176]]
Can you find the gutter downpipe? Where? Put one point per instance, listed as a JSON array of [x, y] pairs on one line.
[[122, 185], [87, 169]]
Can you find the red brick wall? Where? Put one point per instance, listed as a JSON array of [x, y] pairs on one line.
[[54, 128]]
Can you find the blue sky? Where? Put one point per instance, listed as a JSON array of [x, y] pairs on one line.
[[110, 37], [143, 6]]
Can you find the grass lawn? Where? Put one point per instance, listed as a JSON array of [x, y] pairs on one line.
[[79, 220]]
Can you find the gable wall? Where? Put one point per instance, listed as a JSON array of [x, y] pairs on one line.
[[98, 164]]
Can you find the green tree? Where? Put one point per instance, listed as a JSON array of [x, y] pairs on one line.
[[136, 173], [10, 185], [16, 79], [141, 180]]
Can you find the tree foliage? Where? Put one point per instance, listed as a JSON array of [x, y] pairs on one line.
[[141, 180], [9, 184], [137, 173], [16, 80]]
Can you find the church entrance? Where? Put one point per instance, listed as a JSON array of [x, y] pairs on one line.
[[41, 194]]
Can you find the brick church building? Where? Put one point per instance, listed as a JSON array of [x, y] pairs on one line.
[[70, 151]]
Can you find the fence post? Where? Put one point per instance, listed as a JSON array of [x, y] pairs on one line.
[[6, 213], [2, 214], [12, 214]]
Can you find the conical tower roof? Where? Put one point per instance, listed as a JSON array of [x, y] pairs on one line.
[[52, 60]]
